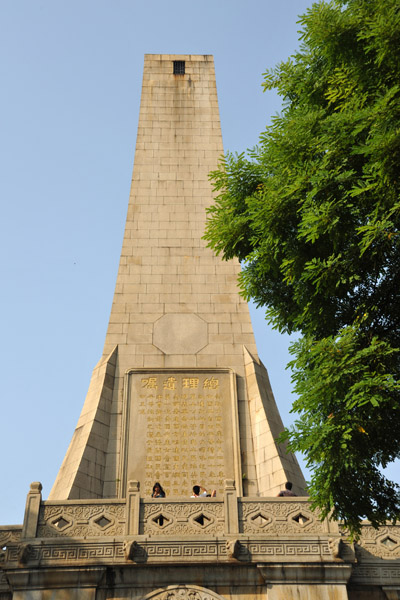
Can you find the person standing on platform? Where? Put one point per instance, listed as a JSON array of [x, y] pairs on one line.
[[288, 490]]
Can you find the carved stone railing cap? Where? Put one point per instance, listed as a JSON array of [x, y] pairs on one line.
[[229, 484], [133, 485], [35, 487]]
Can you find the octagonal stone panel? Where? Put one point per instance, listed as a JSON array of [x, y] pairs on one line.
[[180, 333]]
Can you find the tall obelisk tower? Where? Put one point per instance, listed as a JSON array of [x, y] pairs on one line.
[[179, 395]]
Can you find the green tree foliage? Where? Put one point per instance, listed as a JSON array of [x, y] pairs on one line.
[[313, 213]]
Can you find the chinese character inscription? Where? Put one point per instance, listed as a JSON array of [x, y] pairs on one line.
[[179, 426]]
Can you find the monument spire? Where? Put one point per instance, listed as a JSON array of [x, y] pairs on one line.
[[179, 394]]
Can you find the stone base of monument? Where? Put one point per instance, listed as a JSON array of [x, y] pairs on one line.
[[192, 549]]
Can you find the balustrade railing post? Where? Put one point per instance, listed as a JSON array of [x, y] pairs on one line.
[[133, 508], [231, 507], [32, 508]]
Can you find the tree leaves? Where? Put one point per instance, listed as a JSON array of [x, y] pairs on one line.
[[313, 213], [346, 400]]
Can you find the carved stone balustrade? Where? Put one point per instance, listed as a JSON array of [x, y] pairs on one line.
[[263, 532]]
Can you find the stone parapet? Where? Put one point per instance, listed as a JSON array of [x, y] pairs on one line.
[[134, 516], [283, 539], [230, 515]]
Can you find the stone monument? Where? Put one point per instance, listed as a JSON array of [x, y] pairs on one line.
[[180, 396]]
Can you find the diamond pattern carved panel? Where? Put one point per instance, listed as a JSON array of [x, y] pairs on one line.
[[81, 520], [274, 518], [182, 517]]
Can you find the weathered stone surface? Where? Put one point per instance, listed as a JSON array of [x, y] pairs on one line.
[[180, 333], [176, 306]]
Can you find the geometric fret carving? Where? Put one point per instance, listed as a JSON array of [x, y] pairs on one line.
[[268, 517]]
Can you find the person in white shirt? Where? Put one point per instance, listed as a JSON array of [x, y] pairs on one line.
[[200, 492]]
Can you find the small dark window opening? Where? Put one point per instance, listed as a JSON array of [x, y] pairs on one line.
[[179, 67], [202, 520]]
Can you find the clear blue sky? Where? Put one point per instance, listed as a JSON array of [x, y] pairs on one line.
[[71, 81]]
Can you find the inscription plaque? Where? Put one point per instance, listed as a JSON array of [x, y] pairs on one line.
[[181, 429]]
